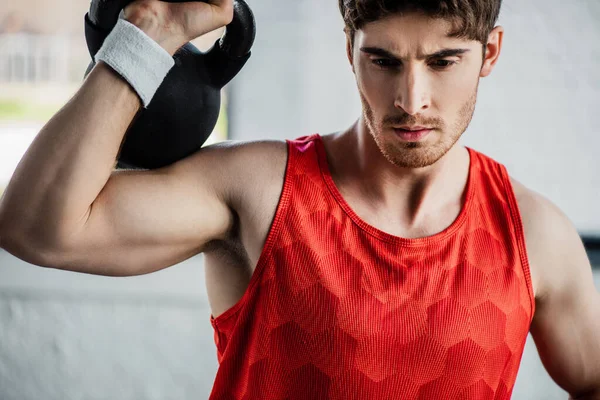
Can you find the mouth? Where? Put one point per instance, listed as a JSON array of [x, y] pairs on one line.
[[412, 128], [412, 133]]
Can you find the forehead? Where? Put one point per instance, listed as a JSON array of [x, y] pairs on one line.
[[411, 33]]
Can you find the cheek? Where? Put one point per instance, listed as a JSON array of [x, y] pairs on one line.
[[450, 92], [460, 81], [375, 85]]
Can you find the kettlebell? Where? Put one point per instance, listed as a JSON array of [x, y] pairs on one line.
[[185, 108]]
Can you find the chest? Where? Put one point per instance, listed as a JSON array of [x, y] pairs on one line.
[[470, 268], [388, 312]]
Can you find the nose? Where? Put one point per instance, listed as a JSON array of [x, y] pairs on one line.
[[413, 91]]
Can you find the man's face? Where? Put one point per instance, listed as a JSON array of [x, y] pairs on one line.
[[410, 74]]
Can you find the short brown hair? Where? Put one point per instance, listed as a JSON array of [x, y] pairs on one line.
[[472, 19]]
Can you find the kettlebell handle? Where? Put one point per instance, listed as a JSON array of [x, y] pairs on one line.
[[185, 108], [236, 41], [238, 38]]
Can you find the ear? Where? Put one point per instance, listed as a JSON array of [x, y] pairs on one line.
[[349, 50], [493, 47]]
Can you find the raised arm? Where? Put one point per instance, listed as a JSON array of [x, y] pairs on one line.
[[66, 208]]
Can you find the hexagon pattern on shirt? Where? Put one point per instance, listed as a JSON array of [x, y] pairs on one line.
[[340, 310]]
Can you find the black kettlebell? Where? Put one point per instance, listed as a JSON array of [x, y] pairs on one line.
[[185, 108]]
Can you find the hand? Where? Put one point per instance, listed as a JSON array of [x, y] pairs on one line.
[[172, 25]]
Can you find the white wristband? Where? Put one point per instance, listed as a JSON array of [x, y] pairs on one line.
[[135, 56]]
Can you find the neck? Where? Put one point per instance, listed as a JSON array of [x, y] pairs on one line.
[[410, 195]]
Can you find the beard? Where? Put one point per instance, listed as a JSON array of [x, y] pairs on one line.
[[417, 154]]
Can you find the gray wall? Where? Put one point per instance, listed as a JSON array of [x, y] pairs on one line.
[[75, 336]]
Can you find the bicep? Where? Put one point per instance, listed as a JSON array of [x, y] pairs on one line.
[[144, 221]]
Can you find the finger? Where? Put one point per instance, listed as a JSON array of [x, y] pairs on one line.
[[198, 17]]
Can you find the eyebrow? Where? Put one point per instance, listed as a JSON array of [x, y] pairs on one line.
[[376, 51]]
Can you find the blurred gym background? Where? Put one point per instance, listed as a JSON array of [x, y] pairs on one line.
[[74, 336]]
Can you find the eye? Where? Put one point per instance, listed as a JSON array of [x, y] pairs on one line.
[[385, 63], [442, 64]]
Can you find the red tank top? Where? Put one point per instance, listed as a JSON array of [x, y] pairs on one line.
[[338, 309]]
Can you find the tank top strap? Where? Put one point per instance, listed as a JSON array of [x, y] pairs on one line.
[[302, 154], [499, 212]]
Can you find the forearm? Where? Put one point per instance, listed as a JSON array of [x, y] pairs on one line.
[[53, 189], [69, 161]]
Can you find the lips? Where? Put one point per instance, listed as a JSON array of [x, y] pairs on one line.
[[412, 135], [413, 128]]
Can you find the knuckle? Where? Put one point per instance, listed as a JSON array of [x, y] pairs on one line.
[[143, 9], [227, 12]]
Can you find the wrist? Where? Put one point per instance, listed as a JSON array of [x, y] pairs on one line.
[[137, 58]]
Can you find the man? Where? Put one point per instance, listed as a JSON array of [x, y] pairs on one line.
[[381, 262]]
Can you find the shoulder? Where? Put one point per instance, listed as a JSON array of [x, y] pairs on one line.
[[552, 241], [536, 209], [234, 170], [245, 148], [246, 167], [541, 218]]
